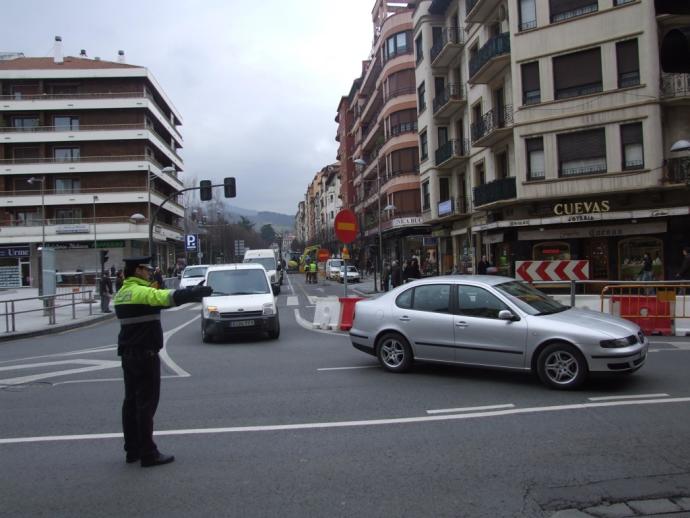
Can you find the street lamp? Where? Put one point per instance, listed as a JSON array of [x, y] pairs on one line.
[[32, 181], [362, 164]]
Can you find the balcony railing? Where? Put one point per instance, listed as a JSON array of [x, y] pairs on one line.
[[629, 79], [675, 85], [53, 160], [406, 90], [449, 35], [469, 5], [678, 170], [453, 148], [496, 46], [452, 92], [491, 121], [403, 127], [573, 13], [497, 190]]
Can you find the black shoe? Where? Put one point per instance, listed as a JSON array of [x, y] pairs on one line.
[[132, 457], [156, 459]]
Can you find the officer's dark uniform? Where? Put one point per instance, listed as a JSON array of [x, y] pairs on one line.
[[138, 306]]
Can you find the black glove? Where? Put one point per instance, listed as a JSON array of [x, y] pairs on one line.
[[192, 294]]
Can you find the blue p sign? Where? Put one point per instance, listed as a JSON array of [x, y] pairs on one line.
[[191, 241]]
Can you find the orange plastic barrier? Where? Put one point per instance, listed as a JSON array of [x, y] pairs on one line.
[[347, 312], [647, 311]]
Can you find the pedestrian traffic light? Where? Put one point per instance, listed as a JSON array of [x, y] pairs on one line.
[[104, 257], [229, 185], [205, 190]]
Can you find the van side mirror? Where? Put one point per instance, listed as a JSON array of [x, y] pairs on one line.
[[505, 314]]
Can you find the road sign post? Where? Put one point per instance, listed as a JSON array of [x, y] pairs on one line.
[[346, 231]]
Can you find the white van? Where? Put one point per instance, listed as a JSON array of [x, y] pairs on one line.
[[266, 258], [333, 268]]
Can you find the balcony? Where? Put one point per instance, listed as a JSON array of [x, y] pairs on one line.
[[452, 153], [480, 10], [498, 190], [453, 207], [490, 59], [675, 87], [449, 101], [448, 47], [493, 127], [402, 128], [677, 171]]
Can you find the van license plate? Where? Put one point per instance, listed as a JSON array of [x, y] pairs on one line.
[[242, 323]]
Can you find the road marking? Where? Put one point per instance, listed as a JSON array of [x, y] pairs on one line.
[[292, 300], [347, 368], [165, 357], [351, 424], [468, 409], [639, 396], [92, 365]]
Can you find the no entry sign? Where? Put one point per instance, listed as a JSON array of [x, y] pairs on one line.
[[346, 226]]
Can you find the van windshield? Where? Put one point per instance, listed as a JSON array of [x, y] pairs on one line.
[[269, 263], [238, 282], [198, 271], [336, 263]]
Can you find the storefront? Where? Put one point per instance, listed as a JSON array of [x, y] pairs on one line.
[[15, 266]]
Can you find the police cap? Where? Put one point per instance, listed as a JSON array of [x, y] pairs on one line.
[[143, 261]]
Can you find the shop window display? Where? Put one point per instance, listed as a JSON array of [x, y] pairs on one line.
[[551, 251], [630, 257]]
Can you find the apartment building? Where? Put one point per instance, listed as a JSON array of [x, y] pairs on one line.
[[315, 219], [89, 151], [547, 133], [380, 117]]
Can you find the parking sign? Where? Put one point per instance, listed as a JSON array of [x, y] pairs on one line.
[[191, 241]]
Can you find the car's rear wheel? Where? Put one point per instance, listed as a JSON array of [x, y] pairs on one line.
[[394, 352], [562, 366]]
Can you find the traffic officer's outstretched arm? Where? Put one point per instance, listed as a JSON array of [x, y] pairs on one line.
[[191, 294]]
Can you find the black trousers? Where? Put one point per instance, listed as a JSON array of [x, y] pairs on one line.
[[142, 373]]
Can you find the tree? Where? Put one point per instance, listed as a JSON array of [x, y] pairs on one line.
[[267, 233], [246, 223]]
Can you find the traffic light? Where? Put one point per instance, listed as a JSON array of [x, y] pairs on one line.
[[229, 185], [205, 190], [104, 257]]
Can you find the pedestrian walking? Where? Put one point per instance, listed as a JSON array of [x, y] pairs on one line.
[[385, 274], [684, 272], [396, 275], [312, 272], [483, 265], [106, 289], [119, 280], [646, 273], [138, 307]]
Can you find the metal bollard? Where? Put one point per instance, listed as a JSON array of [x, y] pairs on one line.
[[90, 303], [74, 309], [7, 319], [573, 289], [13, 329]]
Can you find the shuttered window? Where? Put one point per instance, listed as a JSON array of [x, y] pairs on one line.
[[536, 169], [565, 9], [632, 147], [628, 62], [582, 153], [528, 15], [577, 74], [531, 90]]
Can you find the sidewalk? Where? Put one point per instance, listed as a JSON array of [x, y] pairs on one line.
[[31, 319]]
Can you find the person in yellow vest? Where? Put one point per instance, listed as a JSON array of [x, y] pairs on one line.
[[312, 272]]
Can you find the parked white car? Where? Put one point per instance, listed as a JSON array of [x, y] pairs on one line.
[[352, 274], [242, 301], [333, 268]]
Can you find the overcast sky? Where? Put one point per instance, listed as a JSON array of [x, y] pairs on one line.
[[257, 82]]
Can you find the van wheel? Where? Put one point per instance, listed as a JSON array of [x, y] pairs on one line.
[[275, 332], [205, 336]]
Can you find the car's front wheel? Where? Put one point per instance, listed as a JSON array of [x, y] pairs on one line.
[[394, 352], [562, 366]]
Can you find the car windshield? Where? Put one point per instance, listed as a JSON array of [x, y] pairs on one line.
[[269, 263], [238, 282], [530, 299], [199, 271], [350, 269], [336, 264]]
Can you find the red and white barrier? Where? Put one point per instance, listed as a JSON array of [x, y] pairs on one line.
[[552, 270]]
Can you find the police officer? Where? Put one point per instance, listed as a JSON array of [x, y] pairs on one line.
[[138, 307]]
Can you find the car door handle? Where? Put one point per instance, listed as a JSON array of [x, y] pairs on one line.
[[405, 319], [461, 324]]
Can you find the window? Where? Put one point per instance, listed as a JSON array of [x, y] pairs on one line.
[[25, 123], [426, 196], [566, 9], [404, 300], [479, 174], [397, 44], [628, 63], [477, 302], [535, 158], [442, 133], [528, 14], [66, 122], [28, 218], [66, 154], [434, 298], [424, 145], [502, 166], [403, 121], [68, 216], [419, 49], [577, 74], [531, 90], [631, 142], [26, 153], [443, 188], [582, 153], [67, 185], [400, 83], [405, 160], [421, 102]]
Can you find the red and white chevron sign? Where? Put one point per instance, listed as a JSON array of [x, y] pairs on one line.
[[552, 270]]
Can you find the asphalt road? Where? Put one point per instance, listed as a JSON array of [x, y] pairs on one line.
[[308, 426]]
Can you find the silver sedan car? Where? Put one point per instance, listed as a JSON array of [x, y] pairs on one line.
[[496, 322]]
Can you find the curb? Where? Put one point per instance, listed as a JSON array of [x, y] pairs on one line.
[[53, 329]]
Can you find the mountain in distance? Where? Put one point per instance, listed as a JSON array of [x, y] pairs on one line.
[[277, 220]]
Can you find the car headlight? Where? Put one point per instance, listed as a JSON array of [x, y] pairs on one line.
[[268, 310], [619, 342], [212, 312]]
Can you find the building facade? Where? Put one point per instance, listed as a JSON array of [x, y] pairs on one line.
[[547, 133], [89, 152]]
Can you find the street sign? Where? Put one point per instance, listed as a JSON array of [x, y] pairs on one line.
[[323, 255], [552, 270], [346, 226], [191, 241], [239, 247], [345, 253]]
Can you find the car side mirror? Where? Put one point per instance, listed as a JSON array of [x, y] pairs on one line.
[[505, 314]]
